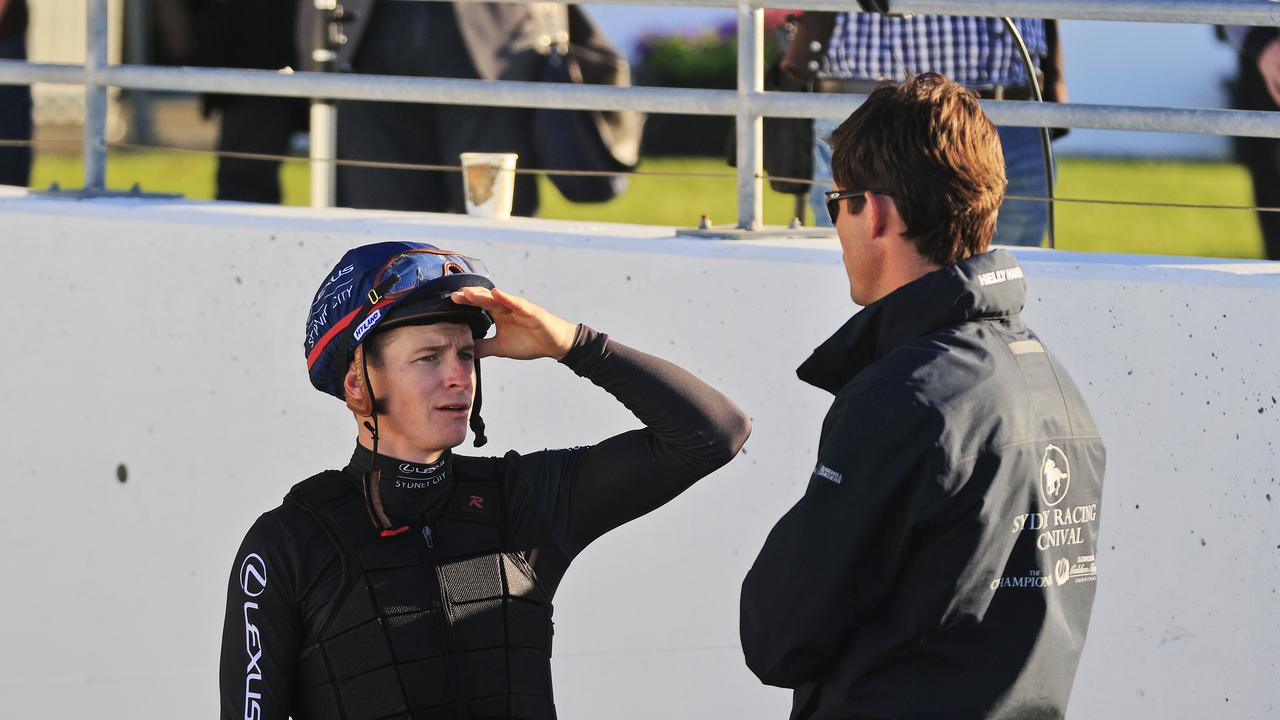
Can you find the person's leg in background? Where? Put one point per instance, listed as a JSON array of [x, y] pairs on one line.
[[1022, 222], [259, 125], [1261, 156], [397, 133], [491, 130], [401, 40], [15, 119], [821, 171]]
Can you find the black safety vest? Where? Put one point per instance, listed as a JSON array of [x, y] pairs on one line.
[[439, 622]]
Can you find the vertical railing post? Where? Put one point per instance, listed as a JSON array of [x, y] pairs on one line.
[[324, 148], [324, 113], [95, 97], [750, 125]]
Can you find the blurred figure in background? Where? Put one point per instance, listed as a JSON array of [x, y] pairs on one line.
[[1257, 87], [490, 41], [15, 100], [851, 52], [251, 34]]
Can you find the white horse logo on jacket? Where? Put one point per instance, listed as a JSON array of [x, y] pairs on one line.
[[1055, 475]]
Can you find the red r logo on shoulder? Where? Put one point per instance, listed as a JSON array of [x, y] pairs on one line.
[[477, 502]]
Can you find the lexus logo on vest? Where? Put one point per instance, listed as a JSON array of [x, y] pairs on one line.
[[253, 575], [1055, 475]]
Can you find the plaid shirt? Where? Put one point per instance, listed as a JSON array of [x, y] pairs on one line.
[[974, 51]]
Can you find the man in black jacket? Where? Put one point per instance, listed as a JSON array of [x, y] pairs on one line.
[[942, 560], [418, 582]]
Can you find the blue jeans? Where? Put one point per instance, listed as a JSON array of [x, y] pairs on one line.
[[1021, 222]]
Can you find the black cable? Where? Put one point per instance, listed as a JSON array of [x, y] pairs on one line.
[[1045, 145]]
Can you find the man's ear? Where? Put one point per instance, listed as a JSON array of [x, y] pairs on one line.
[[354, 387], [877, 214]]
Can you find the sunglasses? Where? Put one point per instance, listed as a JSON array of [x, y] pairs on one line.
[[835, 196]]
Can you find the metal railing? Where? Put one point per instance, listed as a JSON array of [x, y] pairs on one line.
[[749, 103]]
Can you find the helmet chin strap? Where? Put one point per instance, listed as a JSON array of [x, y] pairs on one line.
[[477, 423], [373, 477]]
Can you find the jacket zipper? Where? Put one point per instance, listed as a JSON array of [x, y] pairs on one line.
[[455, 667]]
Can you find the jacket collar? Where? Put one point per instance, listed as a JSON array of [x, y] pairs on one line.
[[405, 490], [983, 286]]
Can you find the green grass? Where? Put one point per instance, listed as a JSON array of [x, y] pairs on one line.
[[1170, 231], [662, 200]]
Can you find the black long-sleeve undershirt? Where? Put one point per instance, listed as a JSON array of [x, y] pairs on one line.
[[559, 502], [690, 430]]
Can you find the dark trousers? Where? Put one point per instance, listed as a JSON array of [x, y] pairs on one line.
[[15, 119], [422, 39], [1260, 155], [261, 125]]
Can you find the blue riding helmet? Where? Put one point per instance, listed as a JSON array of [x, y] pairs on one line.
[[381, 286]]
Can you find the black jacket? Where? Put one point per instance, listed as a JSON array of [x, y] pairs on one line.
[[941, 561], [247, 33], [499, 41]]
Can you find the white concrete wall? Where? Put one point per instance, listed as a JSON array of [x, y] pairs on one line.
[[167, 337]]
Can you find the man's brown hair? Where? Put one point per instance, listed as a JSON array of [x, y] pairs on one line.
[[927, 143]]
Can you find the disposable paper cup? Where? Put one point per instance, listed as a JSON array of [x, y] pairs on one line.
[[489, 182]]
